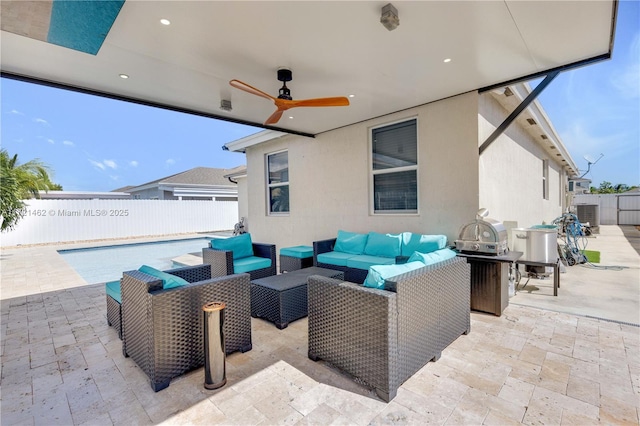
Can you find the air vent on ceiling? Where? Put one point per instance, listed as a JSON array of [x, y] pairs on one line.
[[531, 121], [543, 137], [508, 92]]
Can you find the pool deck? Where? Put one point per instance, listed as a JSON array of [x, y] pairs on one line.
[[546, 360]]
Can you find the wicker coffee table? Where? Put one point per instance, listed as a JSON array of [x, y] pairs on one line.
[[282, 298]]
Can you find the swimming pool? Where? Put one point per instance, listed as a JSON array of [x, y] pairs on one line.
[[107, 263]]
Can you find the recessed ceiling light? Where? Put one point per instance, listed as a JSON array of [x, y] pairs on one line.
[[124, 76], [352, 96], [290, 117], [447, 60], [165, 22]]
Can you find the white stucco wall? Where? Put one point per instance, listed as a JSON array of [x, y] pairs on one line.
[[330, 178], [510, 172]]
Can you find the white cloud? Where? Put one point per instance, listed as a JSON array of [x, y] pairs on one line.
[[133, 163], [41, 121], [111, 164], [114, 177], [51, 141], [170, 161], [68, 143], [97, 164], [16, 112]]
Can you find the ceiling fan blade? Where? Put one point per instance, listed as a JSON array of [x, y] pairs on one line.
[[320, 102], [275, 117], [250, 89]]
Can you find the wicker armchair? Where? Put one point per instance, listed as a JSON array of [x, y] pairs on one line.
[[383, 337], [162, 330], [221, 261]]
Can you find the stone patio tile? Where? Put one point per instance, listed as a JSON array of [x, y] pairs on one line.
[[570, 418], [395, 414], [129, 413], [311, 399], [584, 390], [201, 413], [322, 415], [516, 391], [356, 409], [613, 411]]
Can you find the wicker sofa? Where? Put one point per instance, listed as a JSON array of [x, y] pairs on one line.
[[384, 336], [239, 254], [353, 253], [162, 329]]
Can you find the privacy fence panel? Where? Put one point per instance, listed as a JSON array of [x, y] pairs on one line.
[[48, 221], [615, 209]]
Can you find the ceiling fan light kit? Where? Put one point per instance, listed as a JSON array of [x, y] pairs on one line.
[[284, 101]]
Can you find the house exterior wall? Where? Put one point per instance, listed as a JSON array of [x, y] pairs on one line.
[[329, 178], [510, 172]]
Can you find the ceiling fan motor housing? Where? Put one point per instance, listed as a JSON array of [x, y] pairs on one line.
[[284, 75]]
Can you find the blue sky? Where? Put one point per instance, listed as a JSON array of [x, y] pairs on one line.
[[99, 144]]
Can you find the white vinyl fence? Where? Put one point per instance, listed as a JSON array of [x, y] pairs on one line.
[[49, 221], [614, 209]]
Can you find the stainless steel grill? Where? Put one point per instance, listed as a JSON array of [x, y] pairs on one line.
[[483, 236]]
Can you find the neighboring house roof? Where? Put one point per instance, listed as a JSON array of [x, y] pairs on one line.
[[195, 176], [196, 182], [240, 171], [123, 189]]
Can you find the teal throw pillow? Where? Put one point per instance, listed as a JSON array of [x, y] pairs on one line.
[[378, 274], [385, 245], [350, 242], [422, 243], [240, 245], [168, 280], [433, 257]]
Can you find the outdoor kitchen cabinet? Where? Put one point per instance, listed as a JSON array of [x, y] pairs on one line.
[[490, 281]]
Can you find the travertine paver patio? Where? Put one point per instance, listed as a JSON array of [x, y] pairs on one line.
[[62, 364]]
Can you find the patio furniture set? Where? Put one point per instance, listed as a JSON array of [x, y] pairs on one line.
[[380, 327]]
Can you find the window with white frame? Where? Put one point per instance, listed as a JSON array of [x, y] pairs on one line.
[[394, 168], [278, 182], [545, 179]]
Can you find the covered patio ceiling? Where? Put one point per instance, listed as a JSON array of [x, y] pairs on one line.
[[333, 49]]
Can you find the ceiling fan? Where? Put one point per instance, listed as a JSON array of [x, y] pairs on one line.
[[284, 101]]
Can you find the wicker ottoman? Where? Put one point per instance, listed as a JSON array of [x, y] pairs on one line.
[[114, 309], [282, 298], [294, 258]]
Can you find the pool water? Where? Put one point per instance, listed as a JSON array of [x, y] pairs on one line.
[[102, 264]]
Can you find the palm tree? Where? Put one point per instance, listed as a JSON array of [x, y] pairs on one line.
[[19, 182]]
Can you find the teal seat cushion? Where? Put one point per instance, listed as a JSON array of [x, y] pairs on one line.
[[240, 245], [386, 245], [251, 263], [334, 258], [433, 257], [422, 243], [112, 289], [378, 274], [168, 280], [300, 252], [364, 261], [350, 242]]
